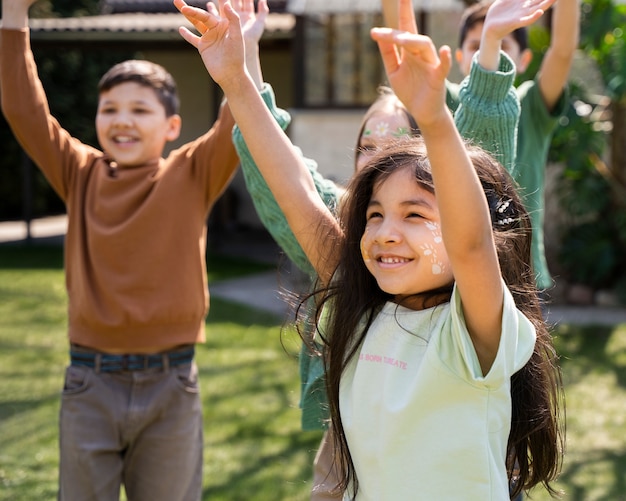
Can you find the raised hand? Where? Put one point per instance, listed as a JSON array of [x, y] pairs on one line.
[[252, 26], [505, 16], [416, 71], [220, 42], [252, 23]]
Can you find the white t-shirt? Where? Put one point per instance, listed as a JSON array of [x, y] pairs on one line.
[[421, 421]]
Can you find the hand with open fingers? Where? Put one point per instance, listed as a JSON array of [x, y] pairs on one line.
[[505, 16], [416, 71], [252, 23], [220, 42], [198, 25]]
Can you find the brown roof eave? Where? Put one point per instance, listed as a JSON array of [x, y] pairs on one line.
[[118, 28]]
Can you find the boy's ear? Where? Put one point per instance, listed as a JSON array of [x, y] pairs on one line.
[[174, 126], [524, 60], [458, 55]]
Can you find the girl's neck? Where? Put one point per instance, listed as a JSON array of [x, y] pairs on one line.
[[424, 300]]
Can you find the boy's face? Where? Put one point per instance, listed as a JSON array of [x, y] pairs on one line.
[[471, 45], [132, 126]]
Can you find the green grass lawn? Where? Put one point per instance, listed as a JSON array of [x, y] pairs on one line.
[[254, 449]]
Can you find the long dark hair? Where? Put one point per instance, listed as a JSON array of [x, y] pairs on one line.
[[535, 445]]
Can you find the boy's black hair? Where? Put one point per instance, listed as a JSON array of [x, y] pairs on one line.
[[148, 74], [476, 14]]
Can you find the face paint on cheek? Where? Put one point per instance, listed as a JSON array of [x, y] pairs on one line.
[[429, 249], [364, 244]]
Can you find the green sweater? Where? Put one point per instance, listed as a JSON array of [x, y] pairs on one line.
[[534, 135], [488, 114]]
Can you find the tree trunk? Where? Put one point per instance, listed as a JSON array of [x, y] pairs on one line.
[[618, 147]]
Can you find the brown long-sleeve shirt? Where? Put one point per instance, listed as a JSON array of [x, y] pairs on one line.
[[135, 245]]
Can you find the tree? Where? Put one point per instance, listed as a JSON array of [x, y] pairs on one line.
[[592, 147]]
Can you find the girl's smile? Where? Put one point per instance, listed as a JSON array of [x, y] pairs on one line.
[[402, 245]]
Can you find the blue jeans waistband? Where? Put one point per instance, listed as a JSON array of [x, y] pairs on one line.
[[108, 362]]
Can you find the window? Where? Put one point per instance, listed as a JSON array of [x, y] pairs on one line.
[[338, 63]]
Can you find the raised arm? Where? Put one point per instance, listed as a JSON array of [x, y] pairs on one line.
[[25, 104], [417, 74], [557, 62], [221, 49], [486, 109], [504, 17], [15, 14], [252, 25], [269, 212]]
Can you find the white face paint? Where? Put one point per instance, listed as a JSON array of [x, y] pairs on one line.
[[379, 129], [402, 245], [432, 249]]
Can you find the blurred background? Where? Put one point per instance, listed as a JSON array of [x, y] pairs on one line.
[[324, 68]]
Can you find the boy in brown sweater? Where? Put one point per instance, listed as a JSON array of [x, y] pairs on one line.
[[135, 272]]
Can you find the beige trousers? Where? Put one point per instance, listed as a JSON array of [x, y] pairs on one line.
[[324, 475]]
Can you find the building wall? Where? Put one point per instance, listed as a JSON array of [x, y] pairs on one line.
[[328, 135], [195, 88]]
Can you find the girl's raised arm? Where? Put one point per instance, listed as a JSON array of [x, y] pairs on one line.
[[417, 74], [221, 48]]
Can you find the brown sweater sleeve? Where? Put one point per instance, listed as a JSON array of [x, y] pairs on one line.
[[25, 107], [213, 156]]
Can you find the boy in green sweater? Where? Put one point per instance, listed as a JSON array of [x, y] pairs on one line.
[[543, 100]]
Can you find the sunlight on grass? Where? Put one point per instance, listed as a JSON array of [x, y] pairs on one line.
[[594, 374], [254, 448]]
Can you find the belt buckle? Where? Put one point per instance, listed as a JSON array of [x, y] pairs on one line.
[[125, 362], [129, 362]]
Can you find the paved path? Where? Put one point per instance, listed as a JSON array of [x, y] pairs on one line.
[[262, 290]]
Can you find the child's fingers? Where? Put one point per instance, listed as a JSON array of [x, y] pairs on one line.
[[243, 6], [406, 17], [233, 19], [546, 4], [445, 56], [262, 8], [212, 9], [417, 45], [198, 25], [189, 36], [221, 4], [388, 52], [200, 19], [239, 5], [195, 15]]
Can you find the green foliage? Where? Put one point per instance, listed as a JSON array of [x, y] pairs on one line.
[[254, 448], [593, 244], [70, 78], [603, 38]]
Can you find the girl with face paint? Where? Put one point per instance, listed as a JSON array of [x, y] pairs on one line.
[[441, 374]]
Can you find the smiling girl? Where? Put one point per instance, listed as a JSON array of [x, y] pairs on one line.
[[441, 373]]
